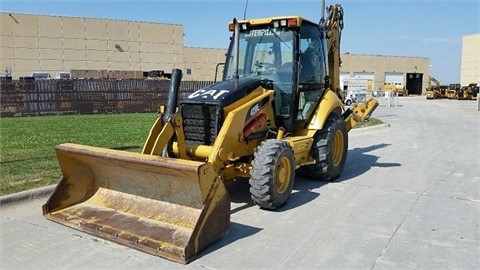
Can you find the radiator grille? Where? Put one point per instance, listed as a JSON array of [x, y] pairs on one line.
[[200, 123]]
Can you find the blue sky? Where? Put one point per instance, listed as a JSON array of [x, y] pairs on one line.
[[421, 28]]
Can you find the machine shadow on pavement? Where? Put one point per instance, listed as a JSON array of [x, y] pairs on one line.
[[359, 161], [236, 232], [239, 193], [302, 193]]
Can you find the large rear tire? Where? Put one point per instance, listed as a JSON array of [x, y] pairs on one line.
[[329, 149], [272, 174]]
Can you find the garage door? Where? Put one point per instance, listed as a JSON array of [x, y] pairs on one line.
[[343, 78], [393, 78], [359, 81]]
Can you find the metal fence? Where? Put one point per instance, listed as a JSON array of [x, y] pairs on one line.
[[28, 97], [384, 98], [387, 98]]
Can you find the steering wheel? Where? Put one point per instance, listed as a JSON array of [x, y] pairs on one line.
[[263, 65], [264, 68]]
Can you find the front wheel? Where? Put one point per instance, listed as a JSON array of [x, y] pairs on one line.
[[272, 174], [329, 150]]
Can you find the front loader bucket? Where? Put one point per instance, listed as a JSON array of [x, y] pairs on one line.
[[163, 206]]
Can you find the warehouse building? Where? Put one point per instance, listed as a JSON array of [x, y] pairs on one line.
[[101, 48], [53, 44], [470, 71], [371, 72]]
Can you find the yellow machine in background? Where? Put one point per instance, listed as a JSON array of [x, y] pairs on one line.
[[396, 88], [400, 89], [443, 90], [275, 113], [451, 92], [474, 88], [388, 87], [433, 91], [469, 92]]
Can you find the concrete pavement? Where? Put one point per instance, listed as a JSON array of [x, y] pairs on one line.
[[409, 198]]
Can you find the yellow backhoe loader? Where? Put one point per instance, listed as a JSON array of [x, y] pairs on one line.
[[275, 113]]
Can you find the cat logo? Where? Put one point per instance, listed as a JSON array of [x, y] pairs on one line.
[[202, 93]]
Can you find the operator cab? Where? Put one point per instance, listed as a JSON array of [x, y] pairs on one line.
[[289, 53]]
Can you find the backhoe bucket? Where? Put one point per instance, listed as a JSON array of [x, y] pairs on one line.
[[167, 207]]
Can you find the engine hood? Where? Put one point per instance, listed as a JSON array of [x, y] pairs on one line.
[[226, 92]]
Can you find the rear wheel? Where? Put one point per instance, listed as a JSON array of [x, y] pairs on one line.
[[329, 150], [272, 174]]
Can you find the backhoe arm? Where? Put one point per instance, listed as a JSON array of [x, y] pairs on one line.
[[333, 28]]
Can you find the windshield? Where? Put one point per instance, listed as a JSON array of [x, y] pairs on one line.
[[263, 53]]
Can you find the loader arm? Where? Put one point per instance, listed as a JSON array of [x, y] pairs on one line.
[[162, 134], [234, 137]]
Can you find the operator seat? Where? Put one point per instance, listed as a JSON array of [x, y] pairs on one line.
[[283, 88], [307, 69], [285, 72]]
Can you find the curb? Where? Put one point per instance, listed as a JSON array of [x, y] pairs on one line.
[[30, 195], [384, 125]]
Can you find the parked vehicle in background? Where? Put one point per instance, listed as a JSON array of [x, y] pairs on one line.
[[39, 75], [63, 75], [469, 92], [356, 96], [443, 90], [452, 90], [400, 89], [433, 91], [350, 98], [397, 88]]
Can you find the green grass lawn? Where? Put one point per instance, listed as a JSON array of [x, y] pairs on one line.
[[27, 155], [369, 123]]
